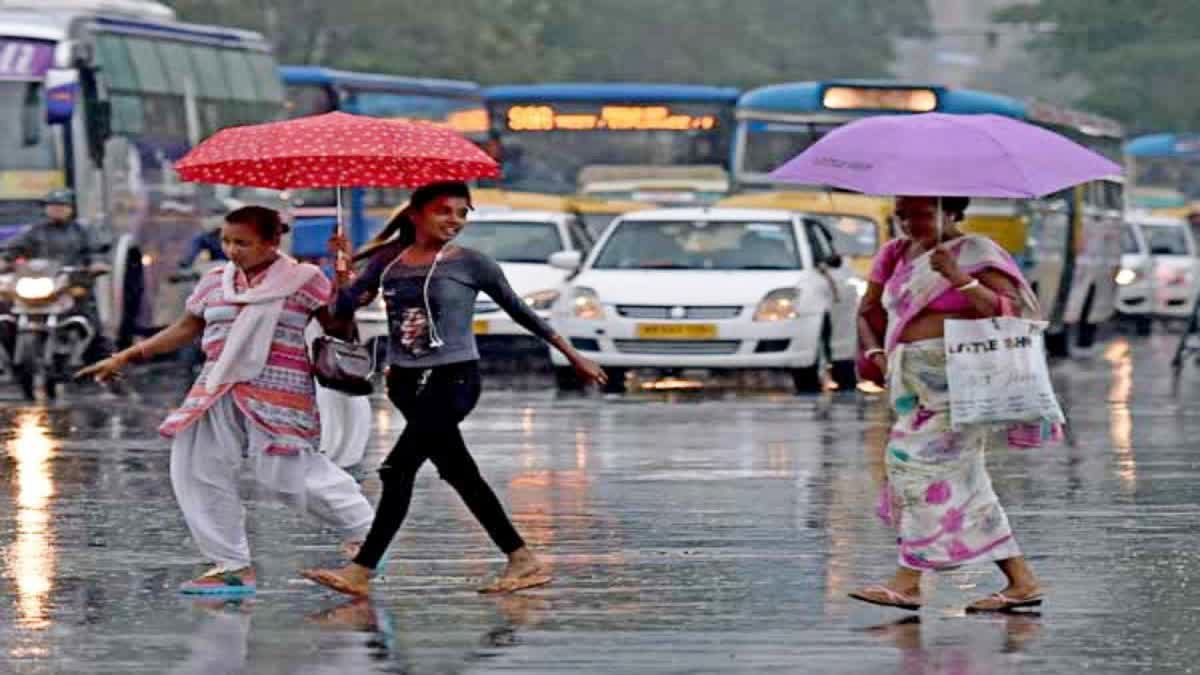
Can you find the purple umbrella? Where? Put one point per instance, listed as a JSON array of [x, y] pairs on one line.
[[935, 154]]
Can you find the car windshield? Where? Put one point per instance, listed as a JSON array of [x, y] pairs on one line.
[[1166, 240], [701, 245], [853, 236], [513, 241]]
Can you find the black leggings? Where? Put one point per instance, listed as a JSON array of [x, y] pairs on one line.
[[433, 403]]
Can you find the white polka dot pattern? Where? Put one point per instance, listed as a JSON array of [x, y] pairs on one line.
[[335, 149]]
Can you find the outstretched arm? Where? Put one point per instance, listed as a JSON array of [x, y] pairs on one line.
[[186, 329]]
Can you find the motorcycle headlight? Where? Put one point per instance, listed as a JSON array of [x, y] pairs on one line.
[[779, 305], [35, 288], [542, 300], [585, 304]]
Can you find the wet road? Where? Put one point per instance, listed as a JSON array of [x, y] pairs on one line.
[[700, 532]]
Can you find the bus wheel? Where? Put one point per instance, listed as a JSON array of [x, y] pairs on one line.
[[133, 287]]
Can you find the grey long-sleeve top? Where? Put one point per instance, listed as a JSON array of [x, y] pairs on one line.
[[453, 288]]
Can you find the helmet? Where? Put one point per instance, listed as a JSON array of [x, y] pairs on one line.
[[64, 196]]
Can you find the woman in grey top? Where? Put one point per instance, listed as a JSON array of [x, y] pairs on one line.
[[429, 286]]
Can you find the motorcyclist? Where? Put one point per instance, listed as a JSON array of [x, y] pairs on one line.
[[62, 239]]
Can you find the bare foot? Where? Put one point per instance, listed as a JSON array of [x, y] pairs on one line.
[[352, 579]]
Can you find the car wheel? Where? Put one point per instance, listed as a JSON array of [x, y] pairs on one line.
[[1144, 325], [616, 381], [566, 379], [811, 379]]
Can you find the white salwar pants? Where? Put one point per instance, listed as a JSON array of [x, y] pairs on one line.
[[206, 463]]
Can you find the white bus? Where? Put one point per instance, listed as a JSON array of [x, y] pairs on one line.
[[103, 96]]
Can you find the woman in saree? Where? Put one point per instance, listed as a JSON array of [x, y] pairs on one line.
[[938, 495]]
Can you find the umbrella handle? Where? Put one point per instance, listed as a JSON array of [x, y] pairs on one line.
[[341, 265]]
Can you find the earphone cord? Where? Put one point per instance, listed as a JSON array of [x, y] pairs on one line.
[[435, 339]]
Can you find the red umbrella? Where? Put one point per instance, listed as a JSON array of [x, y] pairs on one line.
[[335, 150]]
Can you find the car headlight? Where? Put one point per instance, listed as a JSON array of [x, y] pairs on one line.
[[1126, 276], [859, 285], [585, 304], [541, 300], [35, 288], [779, 305]]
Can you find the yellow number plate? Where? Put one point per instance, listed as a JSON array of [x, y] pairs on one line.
[[480, 326], [676, 331]]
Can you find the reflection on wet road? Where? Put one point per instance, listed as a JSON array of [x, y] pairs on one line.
[[707, 531]]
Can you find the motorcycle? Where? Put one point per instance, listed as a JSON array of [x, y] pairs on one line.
[[45, 332]]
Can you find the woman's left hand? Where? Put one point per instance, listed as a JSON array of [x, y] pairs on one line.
[[944, 263], [588, 371]]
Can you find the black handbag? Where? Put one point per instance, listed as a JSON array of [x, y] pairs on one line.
[[343, 366]]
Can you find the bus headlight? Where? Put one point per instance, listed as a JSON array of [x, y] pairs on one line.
[[35, 288], [541, 300], [1126, 276], [779, 305], [585, 304]]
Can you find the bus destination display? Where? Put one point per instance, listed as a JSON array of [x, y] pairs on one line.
[[607, 118]]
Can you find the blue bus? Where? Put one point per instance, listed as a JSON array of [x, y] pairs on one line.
[[1069, 243], [103, 97], [661, 143], [312, 90], [1165, 170]]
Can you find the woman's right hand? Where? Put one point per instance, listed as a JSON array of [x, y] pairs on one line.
[[103, 371]]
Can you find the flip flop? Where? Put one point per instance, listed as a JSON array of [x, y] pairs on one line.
[[330, 580], [1007, 604], [220, 581], [531, 579], [894, 598]]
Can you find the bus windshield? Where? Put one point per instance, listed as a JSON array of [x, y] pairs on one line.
[[29, 165], [768, 145], [545, 147]]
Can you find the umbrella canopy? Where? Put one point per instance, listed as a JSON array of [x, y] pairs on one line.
[[936, 154], [335, 150]]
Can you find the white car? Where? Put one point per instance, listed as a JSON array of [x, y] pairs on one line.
[[720, 288], [1160, 273], [522, 243]]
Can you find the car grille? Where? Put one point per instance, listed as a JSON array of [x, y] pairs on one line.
[[714, 313], [686, 347]]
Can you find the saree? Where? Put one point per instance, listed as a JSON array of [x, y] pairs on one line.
[[938, 494]]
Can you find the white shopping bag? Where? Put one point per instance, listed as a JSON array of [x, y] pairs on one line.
[[997, 372]]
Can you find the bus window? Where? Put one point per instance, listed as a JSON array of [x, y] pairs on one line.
[[147, 65], [115, 62], [239, 74], [176, 63], [210, 74], [164, 116], [127, 116]]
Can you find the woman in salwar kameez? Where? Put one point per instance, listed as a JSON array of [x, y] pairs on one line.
[[938, 495], [254, 403]]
